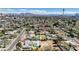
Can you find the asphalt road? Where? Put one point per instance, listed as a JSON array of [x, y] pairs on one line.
[[15, 41]]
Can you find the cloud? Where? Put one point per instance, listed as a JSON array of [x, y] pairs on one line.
[[43, 12], [55, 12], [38, 11], [22, 10], [7, 10]]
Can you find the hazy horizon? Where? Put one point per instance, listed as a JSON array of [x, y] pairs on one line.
[[41, 11]]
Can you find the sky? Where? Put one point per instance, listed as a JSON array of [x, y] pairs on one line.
[[40, 10]]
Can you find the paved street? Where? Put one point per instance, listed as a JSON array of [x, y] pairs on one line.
[[15, 41]]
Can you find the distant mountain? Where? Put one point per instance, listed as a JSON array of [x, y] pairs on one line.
[[31, 14]]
